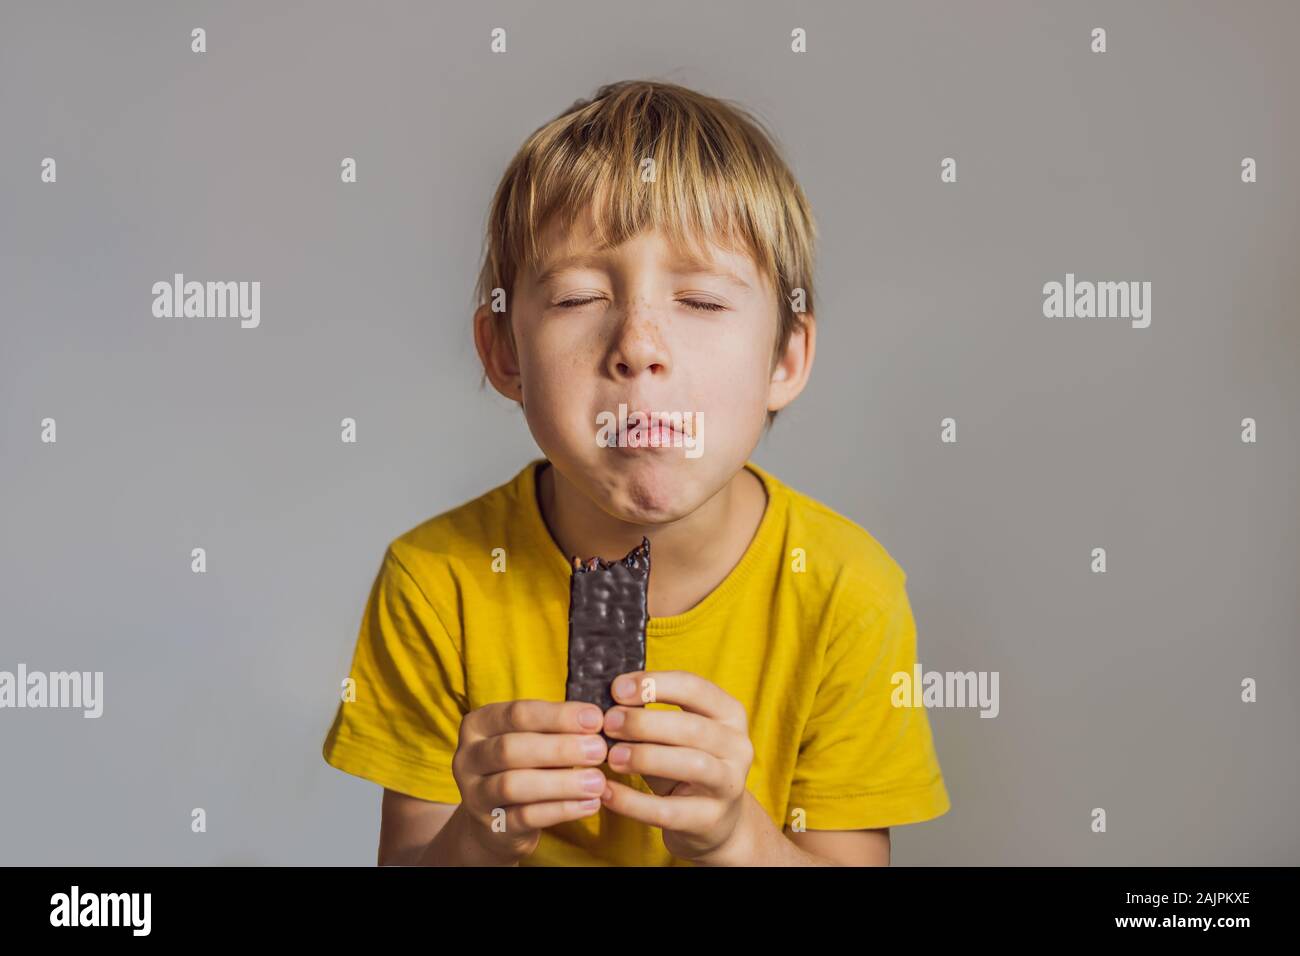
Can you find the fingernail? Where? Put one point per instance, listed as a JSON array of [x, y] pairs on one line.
[[593, 782], [589, 718], [593, 747], [591, 804], [614, 719], [624, 687], [620, 754]]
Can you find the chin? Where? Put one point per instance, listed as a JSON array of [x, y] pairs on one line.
[[649, 488]]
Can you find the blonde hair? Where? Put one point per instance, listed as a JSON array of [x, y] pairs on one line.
[[718, 176]]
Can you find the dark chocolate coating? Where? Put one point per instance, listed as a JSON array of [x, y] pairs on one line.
[[608, 611]]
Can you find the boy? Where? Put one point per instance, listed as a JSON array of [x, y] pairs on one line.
[[648, 249]]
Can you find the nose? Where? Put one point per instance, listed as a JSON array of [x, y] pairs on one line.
[[639, 343]]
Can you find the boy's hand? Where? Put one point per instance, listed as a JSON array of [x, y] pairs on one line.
[[696, 760], [503, 762]]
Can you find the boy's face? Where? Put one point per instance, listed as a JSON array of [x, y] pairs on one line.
[[633, 325]]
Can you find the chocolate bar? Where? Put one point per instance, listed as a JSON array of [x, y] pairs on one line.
[[608, 610]]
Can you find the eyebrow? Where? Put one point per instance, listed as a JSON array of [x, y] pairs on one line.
[[596, 260], [569, 262], [723, 274]]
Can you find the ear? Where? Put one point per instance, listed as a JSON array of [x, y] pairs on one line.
[[496, 350], [792, 369]]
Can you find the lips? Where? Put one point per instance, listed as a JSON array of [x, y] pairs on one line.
[[664, 422]]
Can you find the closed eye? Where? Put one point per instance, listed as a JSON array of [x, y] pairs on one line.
[[693, 303]]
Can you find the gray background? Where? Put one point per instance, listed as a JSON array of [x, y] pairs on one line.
[[1118, 690]]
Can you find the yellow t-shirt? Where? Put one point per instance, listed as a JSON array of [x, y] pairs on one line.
[[806, 631]]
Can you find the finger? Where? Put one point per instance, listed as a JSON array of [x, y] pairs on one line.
[[518, 821], [677, 728], [536, 816], [536, 716], [513, 751], [511, 787], [683, 764], [688, 691], [667, 813]]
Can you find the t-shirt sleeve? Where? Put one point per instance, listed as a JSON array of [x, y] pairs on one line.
[[864, 763], [402, 728]]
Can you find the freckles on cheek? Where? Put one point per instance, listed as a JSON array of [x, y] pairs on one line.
[[556, 357], [581, 354], [557, 380]]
